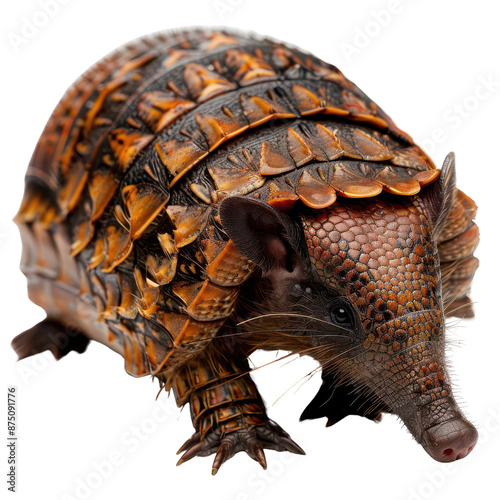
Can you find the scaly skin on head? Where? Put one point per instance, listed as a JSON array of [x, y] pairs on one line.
[[380, 256]]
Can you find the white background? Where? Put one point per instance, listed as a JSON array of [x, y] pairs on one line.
[[421, 63]]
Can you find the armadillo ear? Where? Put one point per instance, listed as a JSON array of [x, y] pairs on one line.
[[260, 232], [440, 196]]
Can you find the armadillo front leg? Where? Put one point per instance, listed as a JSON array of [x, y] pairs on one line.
[[228, 413]]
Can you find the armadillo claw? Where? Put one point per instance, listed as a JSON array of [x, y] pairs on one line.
[[252, 440], [232, 443], [195, 438], [275, 438]]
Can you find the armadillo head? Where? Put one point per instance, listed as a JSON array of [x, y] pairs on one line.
[[359, 286]]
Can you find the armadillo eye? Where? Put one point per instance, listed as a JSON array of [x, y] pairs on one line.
[[340, 315]]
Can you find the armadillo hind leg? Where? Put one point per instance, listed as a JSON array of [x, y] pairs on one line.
[[49, 335]]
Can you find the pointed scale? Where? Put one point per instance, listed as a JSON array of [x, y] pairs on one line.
[[315, 193]]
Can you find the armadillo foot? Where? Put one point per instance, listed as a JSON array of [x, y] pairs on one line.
[[49, 335], [252, 439]]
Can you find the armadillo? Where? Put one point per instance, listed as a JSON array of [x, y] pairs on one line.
[[198, 195]]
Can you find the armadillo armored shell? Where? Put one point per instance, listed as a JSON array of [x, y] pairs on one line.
[[122, 239]]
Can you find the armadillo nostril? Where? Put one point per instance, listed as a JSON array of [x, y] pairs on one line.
[[455, 439]]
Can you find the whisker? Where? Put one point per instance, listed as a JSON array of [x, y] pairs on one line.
[[290, 315], [448, 312], [309, 375], [282, 331], [268, 364], [448, 271]]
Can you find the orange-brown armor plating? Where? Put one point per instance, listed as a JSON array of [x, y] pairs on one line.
[[198, 195]]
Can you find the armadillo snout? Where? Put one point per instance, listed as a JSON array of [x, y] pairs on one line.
[[450, 440]]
